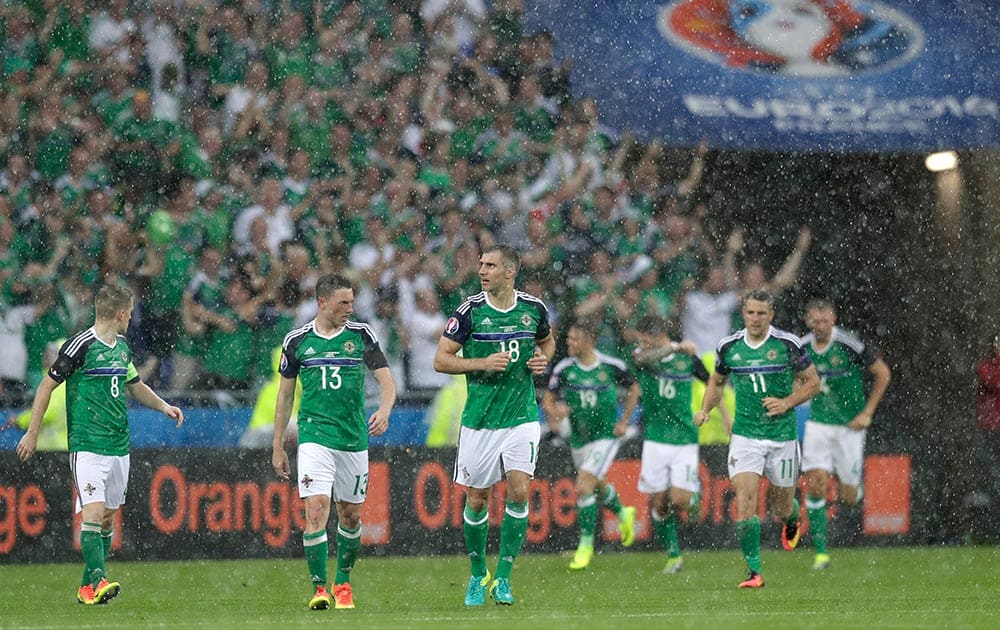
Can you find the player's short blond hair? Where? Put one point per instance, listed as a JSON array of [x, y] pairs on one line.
[[110, 299]]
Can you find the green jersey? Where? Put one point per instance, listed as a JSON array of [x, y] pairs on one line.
[[766, 370], [591, 393], [332, 373], [95, 375], [499, 400], [666, 398], [841, 366]]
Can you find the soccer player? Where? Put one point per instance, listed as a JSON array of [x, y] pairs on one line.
[[584, 387], [839, 416], [329, 356], [96, 366], [505, 340], [771, 375], [669, 472]]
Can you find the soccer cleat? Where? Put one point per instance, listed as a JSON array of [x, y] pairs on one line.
[[321, 599], [674, 566], [584, 554], [754, 580], [475, 594], [343, 597], [105, 591], [626, 525], [821, 561], [85, 595], [790, 535], [500, 592]]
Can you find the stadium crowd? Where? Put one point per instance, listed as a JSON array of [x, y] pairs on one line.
[[218, 156]]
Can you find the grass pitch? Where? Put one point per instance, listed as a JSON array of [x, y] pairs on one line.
[[864, 588]]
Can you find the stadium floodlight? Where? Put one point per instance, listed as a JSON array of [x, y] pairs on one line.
[[941, 161]]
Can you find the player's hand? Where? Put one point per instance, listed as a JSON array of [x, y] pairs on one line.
[[174, 412], [378, 423], [860, 422], [26, 446], [537, 363], [620, 427], [700, 417], [776, 406], [279, 459], [497, 362]]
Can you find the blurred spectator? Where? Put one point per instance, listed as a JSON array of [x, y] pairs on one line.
[[424, 325]]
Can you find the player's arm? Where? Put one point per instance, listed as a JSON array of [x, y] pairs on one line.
[[806, 386], [544, 350], [282, 413], [628, 408], [881, 375], [555, 411], [447, 361], [713, 394], [148, 398], [26, 445], [379, 420]]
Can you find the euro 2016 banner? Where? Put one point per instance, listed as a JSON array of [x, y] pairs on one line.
[[214, 503], [814, 75]]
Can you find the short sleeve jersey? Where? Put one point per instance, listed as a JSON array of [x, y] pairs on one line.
[[841, 366], [757, 372], [499, 400], [666, 398], [332, 373], [591, 393], [95, 375]]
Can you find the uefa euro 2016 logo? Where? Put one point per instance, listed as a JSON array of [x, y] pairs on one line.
[[798, 38]]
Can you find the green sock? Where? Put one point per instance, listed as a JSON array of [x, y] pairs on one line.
[[748, 532], [512, 531], [476, 526], [586, 517], [107, 535], [317, 550], [348, 546], [610, 499], [793, 518], [816, 509], [93, 553], [666, 528]]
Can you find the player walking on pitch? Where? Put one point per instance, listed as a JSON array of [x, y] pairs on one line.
[[771, 375], [505, 340], [584, 387], [96, 365], [669, 474], [329, 356], [839, 416]]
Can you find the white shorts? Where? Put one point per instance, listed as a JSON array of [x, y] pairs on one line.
[[595, 457], [99, 479], [668, 466], [481, 452], [837, 449], [778, 461], [328, 472]]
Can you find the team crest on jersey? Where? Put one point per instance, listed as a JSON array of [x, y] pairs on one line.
[[680, 364], [349, 347], [307, 480], [526, 319], [452, 326], [89, 489], [602, 377], [772, 355], [835, 361]]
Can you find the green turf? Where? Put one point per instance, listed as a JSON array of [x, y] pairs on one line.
[[864, 588]]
